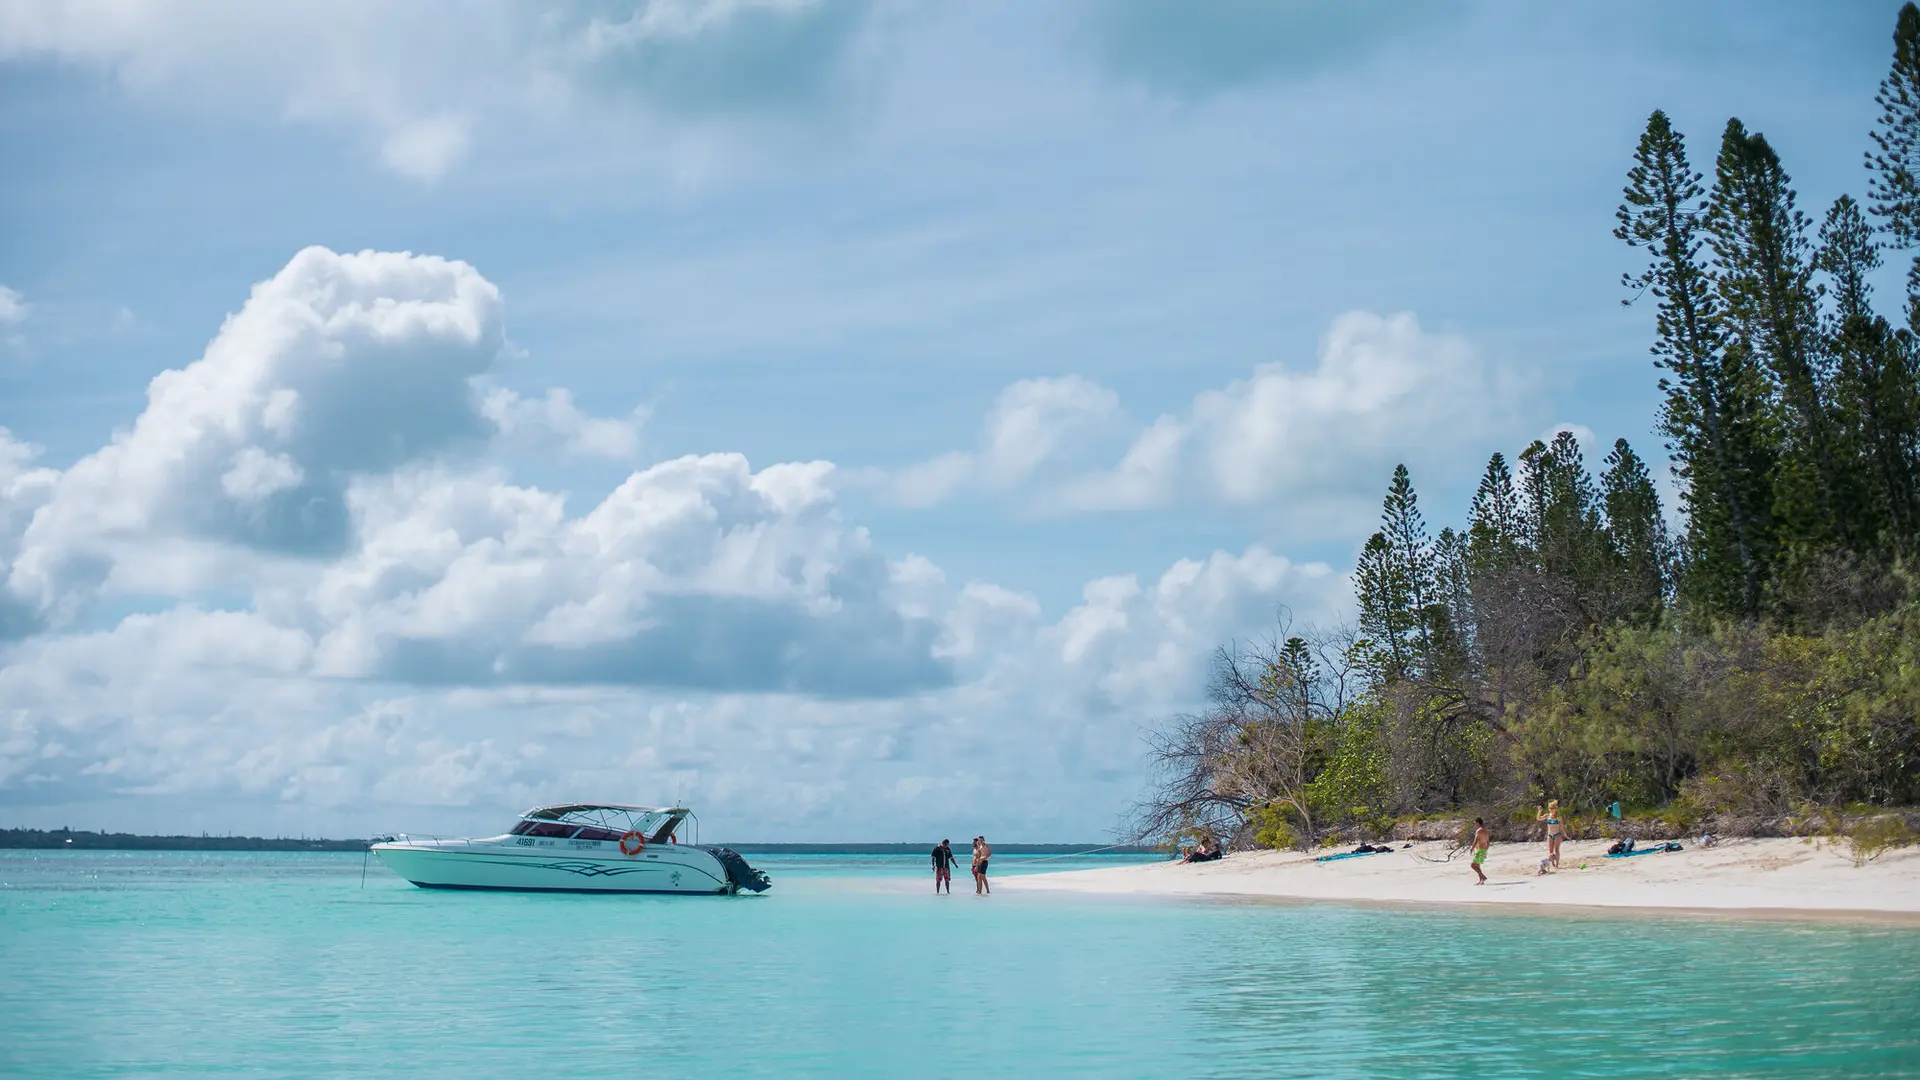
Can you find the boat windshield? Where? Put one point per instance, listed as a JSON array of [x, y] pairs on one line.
[[582, 821]]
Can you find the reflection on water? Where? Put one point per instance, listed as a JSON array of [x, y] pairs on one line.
[[184, 964]]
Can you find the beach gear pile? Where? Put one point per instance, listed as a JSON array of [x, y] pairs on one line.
[[1363, 849], [1624, 848]]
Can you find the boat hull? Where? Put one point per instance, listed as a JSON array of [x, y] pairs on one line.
[[507, 867]]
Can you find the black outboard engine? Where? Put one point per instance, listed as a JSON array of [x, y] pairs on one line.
[[739, 873]]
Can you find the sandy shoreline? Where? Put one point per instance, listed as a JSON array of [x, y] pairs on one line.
[[1777, 877]]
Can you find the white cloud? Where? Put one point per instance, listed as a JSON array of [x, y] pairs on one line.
[[1028, 427], [1300, 441], [554, 423], [13, 306], [1383, 389], [419, 85], [24, 489], [426, 148], [339, 366], [452, 639]]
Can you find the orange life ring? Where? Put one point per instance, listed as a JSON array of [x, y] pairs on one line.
[[639, 843]]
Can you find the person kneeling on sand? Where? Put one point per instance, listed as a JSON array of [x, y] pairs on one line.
[[1482, 839]]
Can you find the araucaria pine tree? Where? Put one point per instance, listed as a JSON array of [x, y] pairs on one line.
[[1875, 393], [1493, 520], [1715, 412], [1637, 535], [1764, 277], [1894, 163], [1395, 580]]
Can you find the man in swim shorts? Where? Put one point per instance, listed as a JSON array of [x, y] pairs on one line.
[[943, 866], [1482, 839]]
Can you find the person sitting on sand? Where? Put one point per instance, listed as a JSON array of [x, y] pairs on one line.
[[1482, 839], [1206, 851], [981, 853], [1556, 831]]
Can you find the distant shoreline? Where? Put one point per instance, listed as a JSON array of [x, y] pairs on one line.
[[82, 840]]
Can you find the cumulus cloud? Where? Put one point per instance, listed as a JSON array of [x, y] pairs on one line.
[[344, 605], [422, 86], [697, 572], [24, 488], [1041, 739], [13, 306], [338, 366], [552, 423], [1028, 427], [1301, 441]]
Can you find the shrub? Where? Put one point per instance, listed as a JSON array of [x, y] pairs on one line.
[[1868, 838]]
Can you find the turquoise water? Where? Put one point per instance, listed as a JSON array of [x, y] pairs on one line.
[[283, 965]]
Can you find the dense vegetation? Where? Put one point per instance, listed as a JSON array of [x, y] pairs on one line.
[[1762, 661]]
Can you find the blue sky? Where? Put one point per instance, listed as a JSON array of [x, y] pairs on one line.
[[856, 418]]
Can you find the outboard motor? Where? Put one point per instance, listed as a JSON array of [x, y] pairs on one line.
[[741, 875]]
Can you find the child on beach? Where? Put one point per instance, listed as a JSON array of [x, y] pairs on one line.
[[1482, 839]]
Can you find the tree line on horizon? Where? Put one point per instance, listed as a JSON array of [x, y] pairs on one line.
[[1762, 659]]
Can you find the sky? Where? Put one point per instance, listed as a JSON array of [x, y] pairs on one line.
[[856, 420]]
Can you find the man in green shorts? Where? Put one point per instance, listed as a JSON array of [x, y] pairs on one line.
[[1481, 839]]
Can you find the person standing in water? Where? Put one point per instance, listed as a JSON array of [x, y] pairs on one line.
[[943, 866], [1556, 830], [1482, 839], [981, 853]]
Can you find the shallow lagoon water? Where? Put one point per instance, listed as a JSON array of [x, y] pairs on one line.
[[283, 965]]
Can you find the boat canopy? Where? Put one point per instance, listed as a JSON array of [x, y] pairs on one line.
[[601, 821]]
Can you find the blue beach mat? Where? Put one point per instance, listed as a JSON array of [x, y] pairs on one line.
[[1346, 855], [1647, 851]]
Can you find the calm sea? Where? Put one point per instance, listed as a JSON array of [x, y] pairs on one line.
[[284, 965]]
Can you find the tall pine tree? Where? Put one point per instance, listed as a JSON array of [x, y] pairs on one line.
[[1561, 512], [1493, 523], [1876, 394], [1714, 412], [1637, 534], [1395, 581], [1894, 164], [1764, 277]]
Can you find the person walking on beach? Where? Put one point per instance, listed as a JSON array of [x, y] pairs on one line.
[[943, 866], [1556, 830], [981, 853], [1482, 839]]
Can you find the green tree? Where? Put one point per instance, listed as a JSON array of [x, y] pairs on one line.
[[1493, 521], [1561, 514], [1713, 414], [1894, 164], [1876, 396], [1768, 303], [1394, 581], [1636, 532], [1386, 608]]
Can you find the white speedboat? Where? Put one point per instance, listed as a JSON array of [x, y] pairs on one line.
[[577, 847]]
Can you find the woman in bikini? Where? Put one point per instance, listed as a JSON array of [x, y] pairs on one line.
[[1556, 830]]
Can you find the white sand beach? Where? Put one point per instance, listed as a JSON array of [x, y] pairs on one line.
[[1737, 876]]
